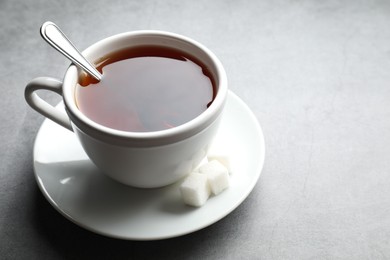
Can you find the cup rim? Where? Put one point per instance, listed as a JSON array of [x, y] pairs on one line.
[[152, 138]]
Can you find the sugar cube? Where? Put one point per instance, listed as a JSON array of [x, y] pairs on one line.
[[222, 158], [217, 176], [195, 189]]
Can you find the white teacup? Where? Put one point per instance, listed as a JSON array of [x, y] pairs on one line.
[[139, 159]]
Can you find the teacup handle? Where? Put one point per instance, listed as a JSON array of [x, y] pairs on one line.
[[41, 106]]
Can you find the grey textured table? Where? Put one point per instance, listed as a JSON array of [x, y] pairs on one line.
[[315, 73]]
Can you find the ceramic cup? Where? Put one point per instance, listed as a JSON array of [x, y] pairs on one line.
[[139, 159]]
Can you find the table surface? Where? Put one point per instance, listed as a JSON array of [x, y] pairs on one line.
[[315, 73]]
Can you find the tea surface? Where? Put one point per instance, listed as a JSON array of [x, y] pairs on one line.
[[147, 88]]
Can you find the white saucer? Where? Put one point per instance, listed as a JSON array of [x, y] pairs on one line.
[[76, 188]]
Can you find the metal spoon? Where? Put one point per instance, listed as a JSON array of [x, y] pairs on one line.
[[58, 40]]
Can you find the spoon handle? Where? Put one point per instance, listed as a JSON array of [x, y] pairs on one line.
[[57, 39]]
